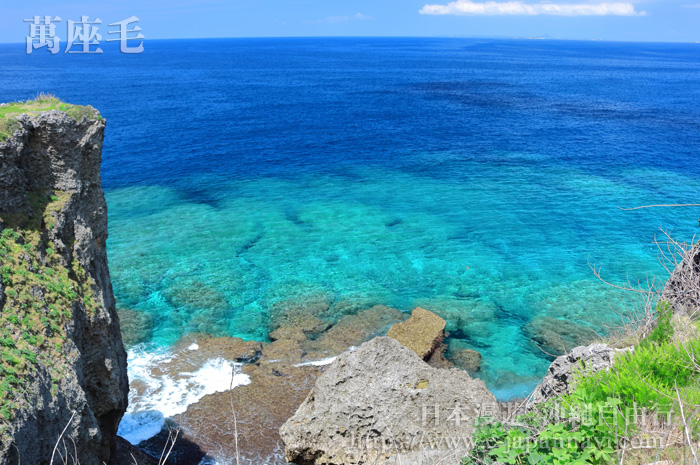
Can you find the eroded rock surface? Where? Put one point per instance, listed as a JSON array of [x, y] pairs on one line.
[[383, 404], [52, 204], [422, 333]]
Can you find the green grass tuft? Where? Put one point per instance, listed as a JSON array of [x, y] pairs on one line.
[[43, 102]]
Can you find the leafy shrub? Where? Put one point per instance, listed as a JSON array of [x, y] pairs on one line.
[[572, 439], [663, 333], [585, 426], [648, 376]]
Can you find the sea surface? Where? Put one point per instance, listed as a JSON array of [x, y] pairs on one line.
[[476, 178]]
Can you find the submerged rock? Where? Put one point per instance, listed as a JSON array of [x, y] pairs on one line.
[[557, 336], [136, 326], [422, 333], [560, 376], [467, 359], [382, 403]]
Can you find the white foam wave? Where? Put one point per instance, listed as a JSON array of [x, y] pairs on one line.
[[156, 395], [317, 363]]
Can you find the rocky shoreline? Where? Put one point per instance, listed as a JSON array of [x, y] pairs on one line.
[[334, 399]]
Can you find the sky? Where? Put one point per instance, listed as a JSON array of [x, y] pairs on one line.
[[643, 20]]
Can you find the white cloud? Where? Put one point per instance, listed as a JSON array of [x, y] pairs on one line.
[[343, 19], [468, 7]]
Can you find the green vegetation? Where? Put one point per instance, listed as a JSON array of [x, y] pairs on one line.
[[593, 423], [44, 102], [42, 289]]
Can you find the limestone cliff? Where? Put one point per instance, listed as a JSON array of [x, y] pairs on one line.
[[62, 363]]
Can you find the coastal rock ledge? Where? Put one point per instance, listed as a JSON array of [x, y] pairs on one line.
[[381, 404], [63, 377]]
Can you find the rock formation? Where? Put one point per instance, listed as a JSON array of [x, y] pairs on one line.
[[560, 376], [422, 333], [63, 363], [383, 404]]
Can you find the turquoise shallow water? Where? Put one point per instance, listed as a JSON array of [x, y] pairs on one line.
[[506, 243], [474, 177]]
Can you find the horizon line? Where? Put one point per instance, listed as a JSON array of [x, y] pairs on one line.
[[545, 38]]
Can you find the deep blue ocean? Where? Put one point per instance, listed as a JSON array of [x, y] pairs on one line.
[[475, 178]]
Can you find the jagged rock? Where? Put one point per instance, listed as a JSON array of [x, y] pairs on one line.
[[382, 403], [125, 453], [51, 195], [682, 290], [584, 359], [422, 333]]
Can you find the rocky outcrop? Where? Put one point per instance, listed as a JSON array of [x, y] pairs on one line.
[[64, 365], [422, 333], [383, 404], [561, 373], [682, 290]]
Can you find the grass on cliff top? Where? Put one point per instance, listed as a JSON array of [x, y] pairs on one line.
[[43, 102]]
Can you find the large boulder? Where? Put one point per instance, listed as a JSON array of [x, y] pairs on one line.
[[561, 373], [381, 403], [422, 333]]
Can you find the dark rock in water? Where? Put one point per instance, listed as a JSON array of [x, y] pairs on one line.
[[422, 333], [383, 404], [589, 359], [682, 290], [181, 452], [74, 364], [556, 336], [466, 359], [125, 453]]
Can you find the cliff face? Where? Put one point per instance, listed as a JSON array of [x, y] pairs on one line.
[[62, 361]]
